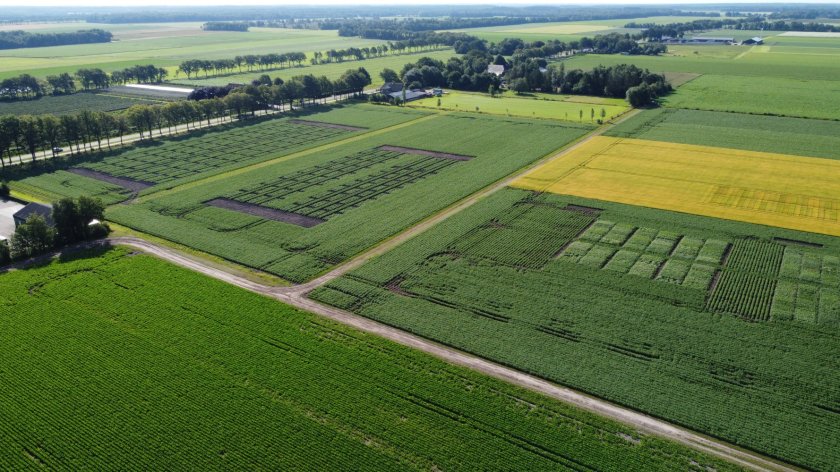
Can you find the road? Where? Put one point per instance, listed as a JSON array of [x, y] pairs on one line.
[[297, 297]]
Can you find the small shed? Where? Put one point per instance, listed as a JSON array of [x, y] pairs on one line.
[[33, 209], [496, 69]]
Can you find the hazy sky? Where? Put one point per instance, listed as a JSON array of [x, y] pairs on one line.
[[366, 2]]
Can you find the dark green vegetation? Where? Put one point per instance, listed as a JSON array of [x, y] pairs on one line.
[[152, 366], [365, 194], [23, 39], [646, 308], [169, 162], [797, 136], [71, 104]]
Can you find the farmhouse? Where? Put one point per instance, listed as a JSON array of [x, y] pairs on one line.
[[496, 69], [390, 87], [33, 209]]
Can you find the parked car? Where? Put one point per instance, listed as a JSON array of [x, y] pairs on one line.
[[57, 150]]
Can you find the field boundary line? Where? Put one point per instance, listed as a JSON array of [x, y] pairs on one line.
[[287, 157], [642, 422]]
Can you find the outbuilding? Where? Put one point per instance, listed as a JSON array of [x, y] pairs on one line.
[[752, 41], [33, 209], [496, 69]]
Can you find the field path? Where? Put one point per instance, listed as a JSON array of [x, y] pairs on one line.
[[641, 422], [296, 296]]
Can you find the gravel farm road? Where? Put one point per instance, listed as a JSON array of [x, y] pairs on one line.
[[297, 296]]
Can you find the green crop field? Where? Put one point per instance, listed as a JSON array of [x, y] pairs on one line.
[[347, 197], [332, 70], [166, 46], [707, 323], [797, 136], [774, 96], [68, 104], [166, 163], [121, 361], [556, 107]]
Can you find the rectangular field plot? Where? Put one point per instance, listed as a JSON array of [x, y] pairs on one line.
[[359, 192], [794, 192], [709, 323], [104, 335], [166, 163], [799, 136]]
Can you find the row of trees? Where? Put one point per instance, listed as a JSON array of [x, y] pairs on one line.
[[241, 26], [87, 130], [654, 32], [24, 39], [250, 62], [74, 220], [26, 86]]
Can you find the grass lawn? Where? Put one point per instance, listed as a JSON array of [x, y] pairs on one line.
[[622, 310], [556, 107], [120, 361]]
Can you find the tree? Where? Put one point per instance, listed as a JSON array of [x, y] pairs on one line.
[[50, 130], [73, 217], [5, 253], [32, 238], [30, 134], [520, 86], [639, 96], [5, 191], [389, 75], [603, 113]]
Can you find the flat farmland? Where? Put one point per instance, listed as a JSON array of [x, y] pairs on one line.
[[776, 96], [332, 70], [724, 327], [805, 137], [152, 366], [780, 190], [558, 107], [298, 216], [166, 163], [71, 104], [168, 48]]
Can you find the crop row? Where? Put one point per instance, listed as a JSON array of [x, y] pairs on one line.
[[213, 151]]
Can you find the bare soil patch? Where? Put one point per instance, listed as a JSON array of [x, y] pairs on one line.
[[423, 152], [591, 211], [124, 182], [327, 125], [797, 242], [265, 212]]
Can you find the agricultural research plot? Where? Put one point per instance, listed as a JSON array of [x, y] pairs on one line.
[[318, 395], [312, 196], [792, 192], [71, 104], [170, 162], [131, 185], [651, 309], [298, 217], [797, 136]]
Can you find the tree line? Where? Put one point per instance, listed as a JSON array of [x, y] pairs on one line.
[[241, 26], [74, 220], [24, 39], [86, 130], [26, 86], [654, 32]]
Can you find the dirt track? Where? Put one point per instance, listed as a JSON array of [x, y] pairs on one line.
[[296, 296]]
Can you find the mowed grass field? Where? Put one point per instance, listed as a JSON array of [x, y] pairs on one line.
[[166, 46], [708, 323], [119, 361], [556, 107], [799, 136], [332, 70], [360, 193], [787, 191]]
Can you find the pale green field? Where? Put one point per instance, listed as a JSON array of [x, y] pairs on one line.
[[555, 107], [332, 71], [166, 46]]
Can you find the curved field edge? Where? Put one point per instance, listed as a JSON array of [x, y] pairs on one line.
[[134, 354]]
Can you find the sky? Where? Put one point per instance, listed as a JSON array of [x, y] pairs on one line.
[[111, 3]]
